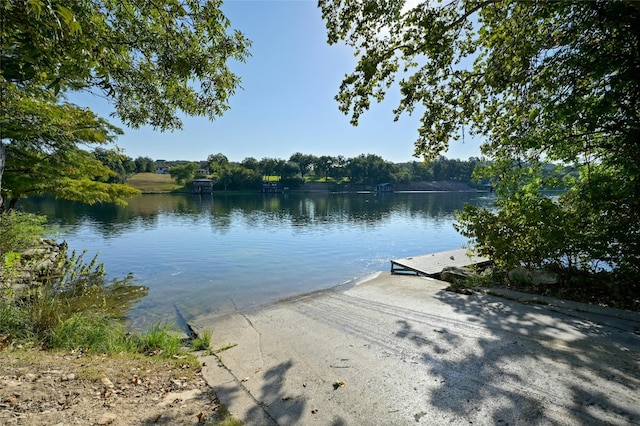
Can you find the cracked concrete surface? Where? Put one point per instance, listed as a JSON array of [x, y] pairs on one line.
[[400, 350]]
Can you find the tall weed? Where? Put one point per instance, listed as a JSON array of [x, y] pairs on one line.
[[76, 308], [92, 332]]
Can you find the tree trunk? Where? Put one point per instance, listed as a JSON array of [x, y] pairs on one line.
[[2, 161]]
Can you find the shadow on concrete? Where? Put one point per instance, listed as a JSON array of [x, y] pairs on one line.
[[284, 408], [530, 362], [281, 406]]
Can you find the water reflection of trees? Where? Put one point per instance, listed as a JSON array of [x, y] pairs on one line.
[[221, 211]]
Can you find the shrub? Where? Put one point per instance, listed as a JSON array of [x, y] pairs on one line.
[[20, 231]]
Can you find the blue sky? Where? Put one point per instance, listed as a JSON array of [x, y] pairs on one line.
[[286, 103]]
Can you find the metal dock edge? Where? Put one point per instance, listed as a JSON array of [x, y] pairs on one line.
[[431, 265]]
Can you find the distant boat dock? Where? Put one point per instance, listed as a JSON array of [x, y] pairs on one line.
[[431, 265]]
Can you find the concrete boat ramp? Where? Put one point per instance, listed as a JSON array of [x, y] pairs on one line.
[[401, 350]]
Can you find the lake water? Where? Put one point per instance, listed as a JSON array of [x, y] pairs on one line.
[[211, 254]]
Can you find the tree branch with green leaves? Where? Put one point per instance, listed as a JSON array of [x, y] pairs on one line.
[[154, 60], [538, 83]]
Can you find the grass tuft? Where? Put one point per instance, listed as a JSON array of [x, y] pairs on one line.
[[225, 418], [94, 333], [225, 347], [160, 339], [202, 342]]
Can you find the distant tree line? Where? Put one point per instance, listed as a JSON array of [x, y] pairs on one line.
[[365, 169]]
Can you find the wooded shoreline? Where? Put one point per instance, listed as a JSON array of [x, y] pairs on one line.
[[152, 183]]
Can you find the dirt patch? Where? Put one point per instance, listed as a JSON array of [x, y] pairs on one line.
[[44, 388]]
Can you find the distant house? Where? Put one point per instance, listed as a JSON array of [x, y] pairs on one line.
[[202, 186], [203, 169], [384, 187], [271, 187], [162, 169], [271, 184]]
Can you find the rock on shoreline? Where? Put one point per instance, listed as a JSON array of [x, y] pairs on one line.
[[31, 267]]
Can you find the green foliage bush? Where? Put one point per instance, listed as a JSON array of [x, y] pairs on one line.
[[527, 229], [15, 320], [579, 230], [20, 230], [586, 234]]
